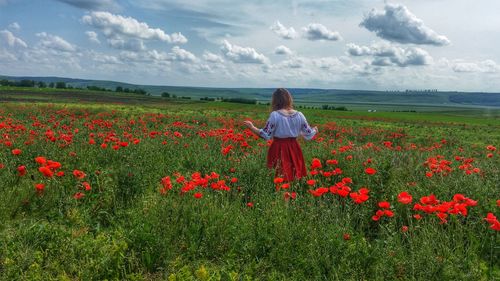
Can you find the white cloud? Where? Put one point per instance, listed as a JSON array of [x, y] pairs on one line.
[[92, 36], [55, 42], [391, 55], [396, 23], [93, 4], [134, 45], [295, 62], [355, 50], [330, 63], [6, 56], [317, 31], [211, 57], [282, 50], [178, 38], [179, 54], [114, 26], [14, 26], [11, 40], [240, 54], [103, 58], [282, 31], [486, 66]]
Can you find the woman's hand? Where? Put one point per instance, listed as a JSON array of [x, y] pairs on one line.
[[252, 128], [316, 129], [249, 124]]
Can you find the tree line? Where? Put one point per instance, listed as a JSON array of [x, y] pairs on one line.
[[63, 85]]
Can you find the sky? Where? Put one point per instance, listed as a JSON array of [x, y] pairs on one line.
[[339, 44]]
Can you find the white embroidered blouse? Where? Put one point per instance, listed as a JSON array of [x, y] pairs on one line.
[[281, 125]]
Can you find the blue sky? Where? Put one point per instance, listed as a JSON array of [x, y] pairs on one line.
[[349, 44]]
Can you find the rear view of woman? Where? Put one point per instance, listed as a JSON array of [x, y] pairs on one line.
[[284, 126]]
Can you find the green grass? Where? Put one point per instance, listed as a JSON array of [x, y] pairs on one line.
[[125, 229]]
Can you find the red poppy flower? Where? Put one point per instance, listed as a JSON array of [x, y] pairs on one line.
[[384, 205], [86, 185], [250, 204], [490, 218], [346, 180], [332, 162], [388, 213], [495, 226], [40, 160], [16, 151], [346, 236], [370, 171], [46, 171], [78, 174], [198, 195], [278, 180], [78, 195], [405, 198], [289, 195], [39, 187], [311, 182], [21, 170], [316, 164], [404, 228]]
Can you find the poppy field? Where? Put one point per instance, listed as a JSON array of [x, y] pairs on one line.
[[103, 191]]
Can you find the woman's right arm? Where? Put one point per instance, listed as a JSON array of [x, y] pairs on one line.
[[267, 132]]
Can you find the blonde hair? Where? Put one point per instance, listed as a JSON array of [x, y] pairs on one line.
[[282, 99]]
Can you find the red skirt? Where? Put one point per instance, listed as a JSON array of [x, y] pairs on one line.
[[286, 157]]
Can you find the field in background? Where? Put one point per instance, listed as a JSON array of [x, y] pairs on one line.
[[413, 99], [100, 185]]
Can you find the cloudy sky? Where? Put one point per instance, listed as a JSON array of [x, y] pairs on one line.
[[348, 44]]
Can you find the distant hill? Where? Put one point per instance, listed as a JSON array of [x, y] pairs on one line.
[[301, 95]]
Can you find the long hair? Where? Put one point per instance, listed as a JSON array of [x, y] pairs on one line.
[[282, 99]]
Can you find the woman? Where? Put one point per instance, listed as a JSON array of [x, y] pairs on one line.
[[284, 126]]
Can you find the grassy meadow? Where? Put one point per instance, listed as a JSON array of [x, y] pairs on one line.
[[103, 186]]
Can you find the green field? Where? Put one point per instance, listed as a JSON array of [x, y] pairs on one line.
[[171, 189]]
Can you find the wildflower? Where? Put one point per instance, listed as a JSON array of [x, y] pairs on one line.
[[46, 171], [198, 195], [78, 174], [21, 170], [370, 171], [78, 195], [40, 160], [16, 151], [311, 182], [316, 164], [86, 185], [384, 205], [405, 198], [288, 195], [39, 187]]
